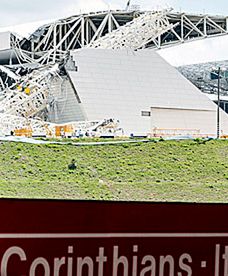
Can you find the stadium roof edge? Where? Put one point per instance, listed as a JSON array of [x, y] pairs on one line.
[[47, 23]]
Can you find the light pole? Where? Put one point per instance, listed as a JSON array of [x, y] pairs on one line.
[[218, 107], [216, 74]]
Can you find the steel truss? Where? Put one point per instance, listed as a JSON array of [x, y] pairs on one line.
[[190, 27], [51, 42], [136, 34], [29, 95]]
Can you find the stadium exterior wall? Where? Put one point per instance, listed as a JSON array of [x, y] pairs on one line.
[[125, 85]]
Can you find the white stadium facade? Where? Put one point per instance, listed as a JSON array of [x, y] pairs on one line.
[[105, 66]]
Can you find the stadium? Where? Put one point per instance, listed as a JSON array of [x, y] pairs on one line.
[[101, 74]]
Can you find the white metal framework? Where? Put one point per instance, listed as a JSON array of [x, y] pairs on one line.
[[192, 26], [51, 42], [136, 34], [79, 31], [29, 95]]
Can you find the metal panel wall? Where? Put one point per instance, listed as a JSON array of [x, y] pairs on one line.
[[171, 122], [4, 41], [122, 84]]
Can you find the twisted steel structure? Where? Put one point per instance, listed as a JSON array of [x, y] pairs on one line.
[[24, 96]]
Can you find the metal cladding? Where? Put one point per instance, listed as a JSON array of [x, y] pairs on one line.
[[143, 91]]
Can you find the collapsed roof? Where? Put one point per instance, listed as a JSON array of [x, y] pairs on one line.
[[35, 62], [51, 42]]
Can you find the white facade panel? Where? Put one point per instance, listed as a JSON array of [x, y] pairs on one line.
[[66, 107], [166, 122], [120, 84], [5, 41]]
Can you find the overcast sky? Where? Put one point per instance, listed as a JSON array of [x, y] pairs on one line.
[[20, 11]]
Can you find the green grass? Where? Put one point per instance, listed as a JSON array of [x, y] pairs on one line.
[[164, 171]]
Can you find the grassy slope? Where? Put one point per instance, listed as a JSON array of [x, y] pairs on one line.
[[173, 171]]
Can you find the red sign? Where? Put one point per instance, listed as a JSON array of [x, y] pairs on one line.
[[68, 238]]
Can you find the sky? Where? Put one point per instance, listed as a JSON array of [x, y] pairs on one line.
[[201, 51], [20, 11]]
